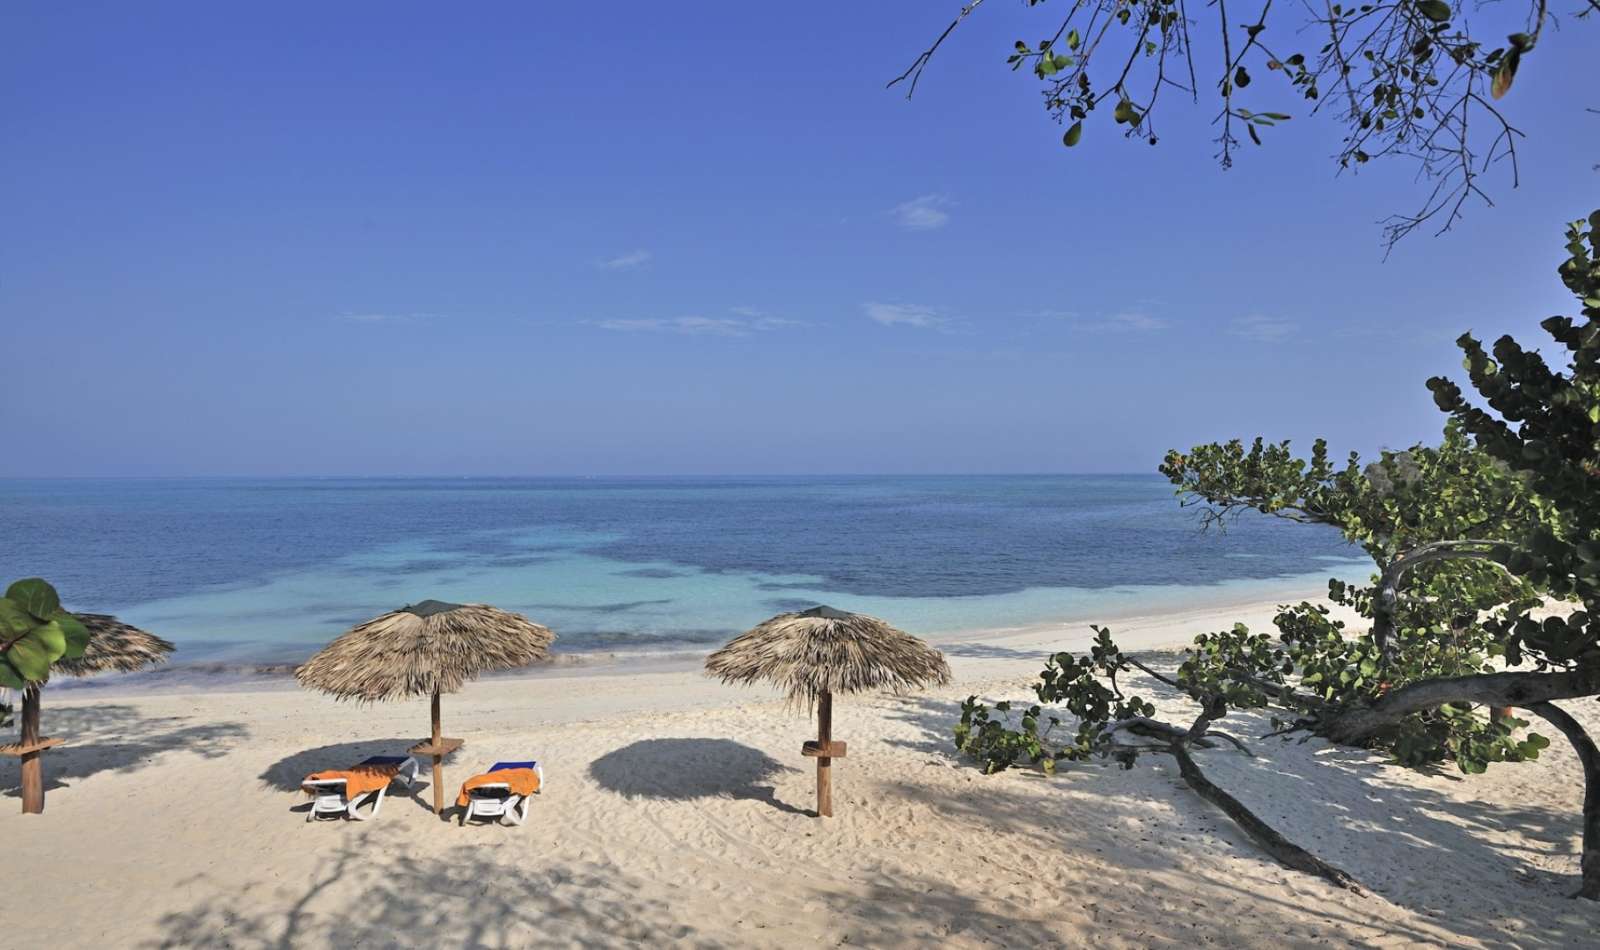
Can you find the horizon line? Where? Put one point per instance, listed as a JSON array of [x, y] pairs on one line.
[[584, 475]]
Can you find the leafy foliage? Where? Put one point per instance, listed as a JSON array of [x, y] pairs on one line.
[[1405, 79], [1439, 523], [1076, 684], [1468, 538], [35, 632], [1545, 425]]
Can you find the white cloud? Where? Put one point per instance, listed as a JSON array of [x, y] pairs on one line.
[[904, 314], [926, 213], [628, 261], [1262, 328], [1128, 321], [745, 322], [761, 320]]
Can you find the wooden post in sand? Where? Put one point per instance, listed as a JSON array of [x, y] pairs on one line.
[[436, 747], [32, 768], [824, 750], [438, 760], [28, 751], [825, 761]]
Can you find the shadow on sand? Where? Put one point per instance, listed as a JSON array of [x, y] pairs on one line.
[[116, 738], [287, 773], [445, 901], [1422, 833], [684, 769]]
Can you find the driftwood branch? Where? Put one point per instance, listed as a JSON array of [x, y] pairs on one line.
[[1286, 852], [1177, 743]]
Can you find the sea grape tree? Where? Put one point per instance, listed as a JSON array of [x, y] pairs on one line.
[[35, 632], [1544, 424], [1470, 541], [1438, 523], [1427, 613]]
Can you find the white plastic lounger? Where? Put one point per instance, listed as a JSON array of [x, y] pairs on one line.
[[331, 801], [493, 801]]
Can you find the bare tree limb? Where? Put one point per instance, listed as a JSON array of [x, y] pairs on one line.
[[1286, 852], [1589, 758]]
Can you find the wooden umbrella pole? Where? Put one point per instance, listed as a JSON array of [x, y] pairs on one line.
[[825, 762], [438, 770], [32, 767]]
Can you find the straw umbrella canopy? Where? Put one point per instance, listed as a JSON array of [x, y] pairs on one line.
[[113, 647], [816, 653], [425, 649]]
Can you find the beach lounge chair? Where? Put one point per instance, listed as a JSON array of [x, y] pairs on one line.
[[342, 794], [501, 797]]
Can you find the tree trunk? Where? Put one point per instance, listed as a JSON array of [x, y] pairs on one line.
[[32, 766], [1383, 610], [1286, 852], [1530, 691], [1487, 689], [1589, 756]]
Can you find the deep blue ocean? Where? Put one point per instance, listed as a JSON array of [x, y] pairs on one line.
[[248, 570]]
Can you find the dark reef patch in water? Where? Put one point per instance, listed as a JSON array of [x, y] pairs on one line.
[[656, 572], [787, 605], [613, 608]]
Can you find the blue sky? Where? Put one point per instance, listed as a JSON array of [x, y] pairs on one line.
[[696, 238]]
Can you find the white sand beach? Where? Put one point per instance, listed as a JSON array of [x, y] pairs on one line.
[[676, 811]]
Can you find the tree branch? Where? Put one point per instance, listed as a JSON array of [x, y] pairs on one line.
[[1589, 758], [1286, 852], [914, 71], [1486, 689]]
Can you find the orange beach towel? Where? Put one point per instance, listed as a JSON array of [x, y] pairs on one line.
[[358, 780], [522, 782]]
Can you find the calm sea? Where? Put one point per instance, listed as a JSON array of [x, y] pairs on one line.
[[253, 570]]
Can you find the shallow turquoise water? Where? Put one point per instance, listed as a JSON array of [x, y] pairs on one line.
[[268, 569]]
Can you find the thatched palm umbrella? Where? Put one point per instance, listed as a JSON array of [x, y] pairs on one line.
[[113, 647], [818, 652], [423, 650]]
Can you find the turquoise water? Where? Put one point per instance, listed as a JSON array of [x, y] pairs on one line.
[[250, 570]]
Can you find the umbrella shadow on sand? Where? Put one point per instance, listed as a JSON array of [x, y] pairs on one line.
[[688, 769], [287, 773], [114, 737]]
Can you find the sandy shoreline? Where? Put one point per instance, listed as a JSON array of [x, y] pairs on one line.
[[1151, 629], [676, 811]]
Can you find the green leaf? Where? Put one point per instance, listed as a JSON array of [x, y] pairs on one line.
[[8, 676], [14, 621], [1436, 10], [77, 634], [51, 638], [1074, 133], [36, 596], [30, 659]]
